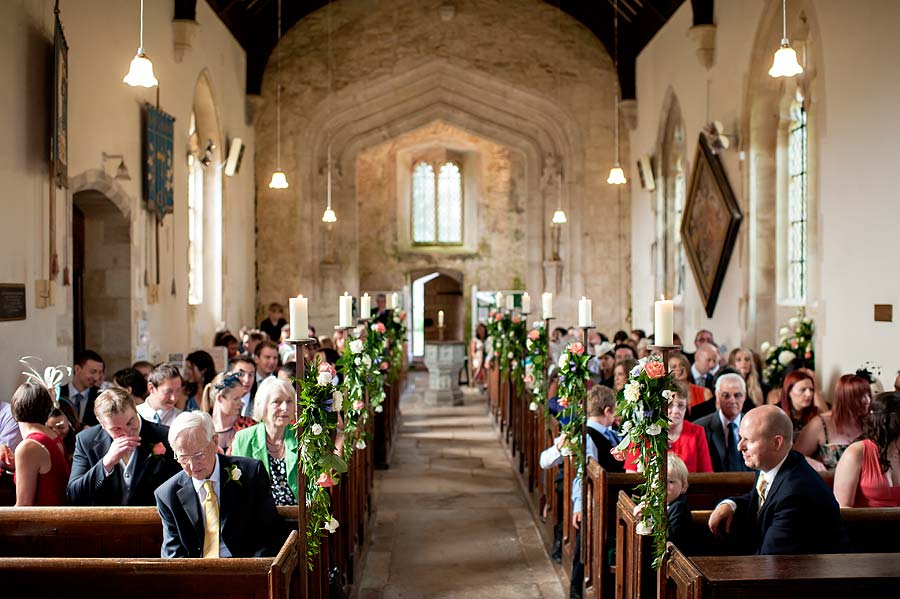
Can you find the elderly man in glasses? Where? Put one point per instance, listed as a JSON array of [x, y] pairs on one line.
[[218, 506]]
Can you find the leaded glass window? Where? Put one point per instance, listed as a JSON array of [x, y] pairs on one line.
[[195, 219], [437, 204], [797, 202]]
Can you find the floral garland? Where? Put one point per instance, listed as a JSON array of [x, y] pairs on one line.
[[796, 340], [515, 351], [317, 416], [396, 332], [573, 376], [496, 338], [377, 346], [535, 377], [643, 407], [356, 365]]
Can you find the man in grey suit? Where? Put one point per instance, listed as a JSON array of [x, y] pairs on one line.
[[722, 426]]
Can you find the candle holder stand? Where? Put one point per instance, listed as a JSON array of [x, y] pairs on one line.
[[585, 329], [299, 350]]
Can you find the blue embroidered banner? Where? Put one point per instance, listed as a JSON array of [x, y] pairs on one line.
[[159, 144]]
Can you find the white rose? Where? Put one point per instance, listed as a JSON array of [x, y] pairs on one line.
[[632, 392], [367, 361], [643, 529], [765, 347], [533, 406], [332, 525], [379, 409], [785, 357], [784, 332], [562, 361], [626, 427], [361, 444], [654, 429], [794, 322], [668, 394], [316, 429], [337, 401], [236, 473], [357, 361], [324, 378], [356, 346]]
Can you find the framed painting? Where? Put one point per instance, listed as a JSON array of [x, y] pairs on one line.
[[710, 224]]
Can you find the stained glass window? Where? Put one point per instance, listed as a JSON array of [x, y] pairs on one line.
[[797, 202], [437, 204]]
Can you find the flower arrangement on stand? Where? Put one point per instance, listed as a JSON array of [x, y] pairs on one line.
[[317, 421], [357, 366], [795, 341], [535, 377], [643, 407], [515, 351], [396, 332], [497, 339], [377, 346], [573, 376]]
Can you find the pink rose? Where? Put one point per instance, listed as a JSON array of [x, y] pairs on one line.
[[325, 480], [491, 313], [380, 328], [326, 367], [534, 334], [358, 405], [498, 317], [793, 344], [655, 369], [576, 348], [384, 366], [808, 355], [563, 402], [159, 449], [516, 319]]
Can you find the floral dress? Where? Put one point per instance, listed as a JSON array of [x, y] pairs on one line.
[[281, 490], [830, 453]]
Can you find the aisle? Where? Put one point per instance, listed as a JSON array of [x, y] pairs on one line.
[[451, 520]]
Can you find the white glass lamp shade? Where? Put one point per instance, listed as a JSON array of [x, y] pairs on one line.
[[279, 181], [616, 176], [559, 217], [785, 63], [140, 73], [329, 216]]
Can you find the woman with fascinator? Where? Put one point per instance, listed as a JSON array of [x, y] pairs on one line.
[[42, 470], [222, 400]]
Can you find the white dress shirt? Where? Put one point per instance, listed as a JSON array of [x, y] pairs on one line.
[[201, 495], [148, 413], [769, 475], [86, 395]]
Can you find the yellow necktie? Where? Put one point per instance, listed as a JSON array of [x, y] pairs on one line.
[[761, 489], [211, 535]]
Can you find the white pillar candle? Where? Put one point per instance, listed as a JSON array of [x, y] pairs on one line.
[[345, 310], [395, 301], [510, 301], [299, 311], [499, 299], [584, 312], [440, 318], [547, 305], [365, 306], [387, 301], [663, 322], [526, 303]]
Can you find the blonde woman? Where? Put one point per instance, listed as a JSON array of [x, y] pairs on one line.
[[222, 400], [741, 359]]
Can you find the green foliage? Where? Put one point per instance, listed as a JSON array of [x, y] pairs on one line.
[[796, 341], [537, 356], [573, 376]]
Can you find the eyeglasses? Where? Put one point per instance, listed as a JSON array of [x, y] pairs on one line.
[[193, 458], [727, 395]]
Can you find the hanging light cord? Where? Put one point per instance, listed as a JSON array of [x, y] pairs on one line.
[[328, 194], [141, 51], [277, 93], [783, 20], [559, 100], [616, 65]]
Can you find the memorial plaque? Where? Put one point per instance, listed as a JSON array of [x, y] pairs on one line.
[[12, 302]]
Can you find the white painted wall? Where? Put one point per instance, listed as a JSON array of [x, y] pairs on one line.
[[857, 89], [105, 116]]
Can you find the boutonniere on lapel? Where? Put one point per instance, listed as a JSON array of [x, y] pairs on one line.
[[158, 451], [234, 474]]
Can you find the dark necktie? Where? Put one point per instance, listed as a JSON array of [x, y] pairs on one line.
[[732, 455]]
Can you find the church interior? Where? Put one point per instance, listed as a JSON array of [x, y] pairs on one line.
[[690, 174]]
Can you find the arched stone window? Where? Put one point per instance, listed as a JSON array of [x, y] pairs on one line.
[[195, 217], [437, 203], [671, 261], [795, 228]]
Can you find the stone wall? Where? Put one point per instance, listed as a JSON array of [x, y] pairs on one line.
[[529, 87]]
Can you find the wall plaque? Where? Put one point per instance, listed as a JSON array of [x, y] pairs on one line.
[[12, 302]]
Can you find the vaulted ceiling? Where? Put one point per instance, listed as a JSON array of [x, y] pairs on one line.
[[253, 23]]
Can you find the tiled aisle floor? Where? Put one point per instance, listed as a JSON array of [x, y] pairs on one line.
[[450, 519]]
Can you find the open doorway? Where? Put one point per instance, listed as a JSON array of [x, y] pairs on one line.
[[101, 278], [433, 291]]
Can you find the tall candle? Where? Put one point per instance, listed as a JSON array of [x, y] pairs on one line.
[[547, 305], [365, 306], [395, 301], [440, 318], [345, 310], [663, 322], [584, 312], [299, 311], [499, 299], [526, 303], [510, 302], [387, 302]]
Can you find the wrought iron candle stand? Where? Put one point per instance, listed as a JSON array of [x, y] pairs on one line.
[[584, 402]]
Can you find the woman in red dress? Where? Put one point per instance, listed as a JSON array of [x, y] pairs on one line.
[[42, 470], [868, 474]]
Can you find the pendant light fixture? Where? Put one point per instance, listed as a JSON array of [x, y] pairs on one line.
[[559, 217], [785, 63], [140, 72], [279, 180], [329, 217], [616, 174]]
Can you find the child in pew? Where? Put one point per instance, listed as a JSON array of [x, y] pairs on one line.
[[677, 510]]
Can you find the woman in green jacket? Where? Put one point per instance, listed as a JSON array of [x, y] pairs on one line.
[[273, 441]]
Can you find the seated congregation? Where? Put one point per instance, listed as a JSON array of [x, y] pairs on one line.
[[756, 467]]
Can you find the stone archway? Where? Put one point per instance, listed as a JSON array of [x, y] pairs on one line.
[[102, 268]]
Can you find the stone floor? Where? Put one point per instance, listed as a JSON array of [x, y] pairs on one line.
[[451, 521]]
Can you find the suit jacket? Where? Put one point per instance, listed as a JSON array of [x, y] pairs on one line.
[[799, 516], [704, 408], [251, 443], [250, 524], [68, 408], [678, 513], [715, 439], [88, 483]]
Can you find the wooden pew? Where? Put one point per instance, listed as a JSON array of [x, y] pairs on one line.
[[777, 577], [263, 578]]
